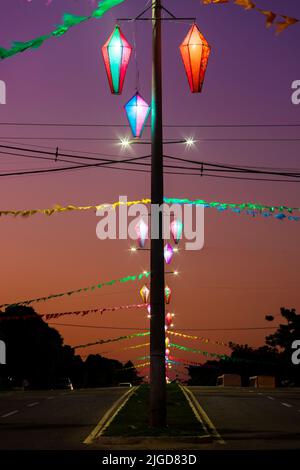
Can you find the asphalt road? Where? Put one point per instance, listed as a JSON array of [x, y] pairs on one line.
[[52, 420], [252, 418]]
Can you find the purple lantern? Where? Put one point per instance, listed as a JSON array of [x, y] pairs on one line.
[[168, 253]]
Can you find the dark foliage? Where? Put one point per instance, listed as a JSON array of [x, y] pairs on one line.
[[274, 358], [36, 355]]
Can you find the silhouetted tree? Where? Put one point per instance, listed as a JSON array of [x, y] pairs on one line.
[[129, 374], [34, 350], [274, 358]]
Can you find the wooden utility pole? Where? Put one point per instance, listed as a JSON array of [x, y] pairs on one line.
[[157, 283]]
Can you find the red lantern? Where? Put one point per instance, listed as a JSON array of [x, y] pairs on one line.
[[169, 319], [116, 53], [195, 51]]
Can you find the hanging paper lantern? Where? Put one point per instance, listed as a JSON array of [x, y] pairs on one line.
[[168, 293], [168, 253], [145, 293], [167, 342], [194, 52], [169, 319], [176, 230], [141, 230], [149, 309], [116, 53], [167, 352], [137, 111]]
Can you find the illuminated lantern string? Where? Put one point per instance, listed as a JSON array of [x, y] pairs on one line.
[[168, 293], [141, 230], [145, 294], [176, 230], [137, 111], [194, 52], [168, 253], [116, 53], [169, 319]]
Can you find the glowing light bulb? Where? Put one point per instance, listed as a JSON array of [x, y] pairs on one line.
[[190, 142], [125, 142]]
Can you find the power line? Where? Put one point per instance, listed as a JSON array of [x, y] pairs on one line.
[[191, 125], [237, 168], [213, 167], [231, 167], [181, 329], [166, 141], [86, 152]]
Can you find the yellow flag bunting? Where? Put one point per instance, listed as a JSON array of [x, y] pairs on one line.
[[279, 21]]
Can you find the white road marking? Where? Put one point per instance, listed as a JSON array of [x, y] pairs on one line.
[[271, 398], [33, 404], [286, 404], [260, 394], [10, 413], [50, 398]]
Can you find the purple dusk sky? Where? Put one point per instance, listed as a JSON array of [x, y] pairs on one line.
[[249, 267]]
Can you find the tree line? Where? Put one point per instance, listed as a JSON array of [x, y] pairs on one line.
[[274, 358], [36, 354]]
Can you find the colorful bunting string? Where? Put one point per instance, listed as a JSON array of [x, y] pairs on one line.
[[120, 338], [137, 346], [82, 313], [137, 366], [122, 280], [49, 2], [101, 310], [68, 22], [282, 21], [177, 360], [223, 357], [253, 209], [200, 351], [198, 338]]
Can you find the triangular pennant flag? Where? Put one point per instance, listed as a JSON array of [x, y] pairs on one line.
[[247, 4], [282, 25], [270, 16]]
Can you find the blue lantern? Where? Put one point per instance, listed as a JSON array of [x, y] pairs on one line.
[[137, 111]]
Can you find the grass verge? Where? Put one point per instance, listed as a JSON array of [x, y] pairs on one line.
[[133, 419]]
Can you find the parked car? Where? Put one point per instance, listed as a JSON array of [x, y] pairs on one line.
[[64, 383]]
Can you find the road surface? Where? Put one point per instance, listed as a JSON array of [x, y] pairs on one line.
[[52, 420], [252, 418]]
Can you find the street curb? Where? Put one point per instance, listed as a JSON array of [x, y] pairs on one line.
[[201, 414], [109, 416]]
